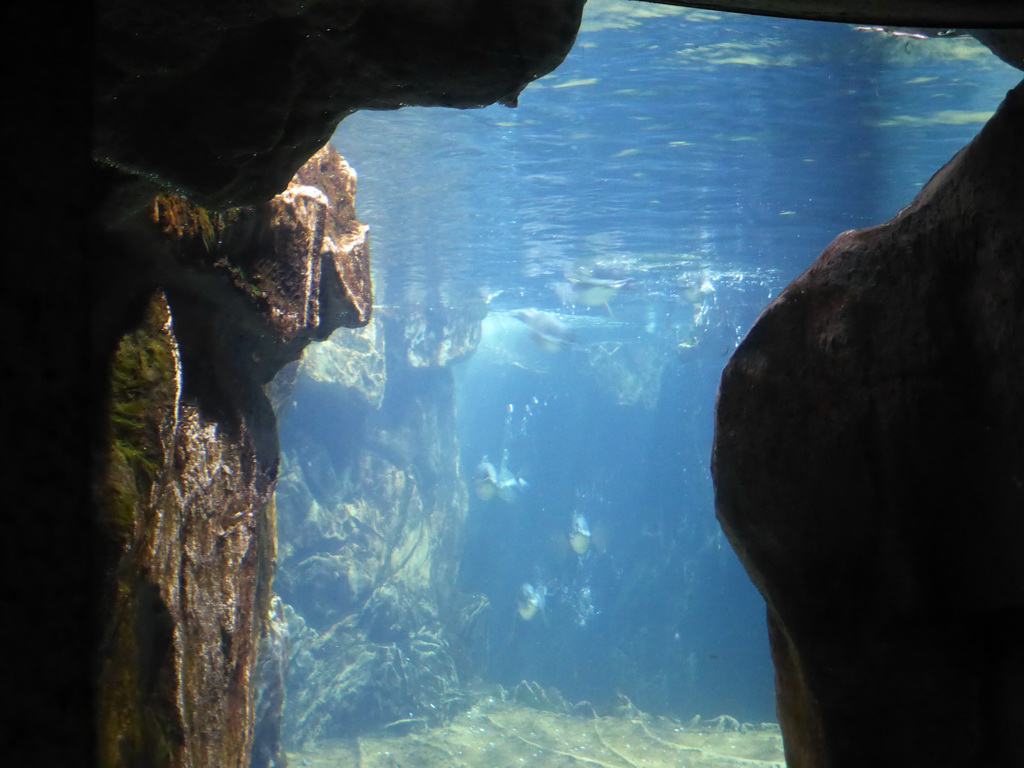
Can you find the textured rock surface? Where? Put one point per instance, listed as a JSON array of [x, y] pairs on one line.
[[189, 504], [185, 499], [249, 287], [869, 470], [631, 375], [223, 102], [371, 509]]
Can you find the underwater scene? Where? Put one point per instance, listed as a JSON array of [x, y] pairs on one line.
[[497, 542]]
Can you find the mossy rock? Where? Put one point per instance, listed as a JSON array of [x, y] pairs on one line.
[[143, 394]]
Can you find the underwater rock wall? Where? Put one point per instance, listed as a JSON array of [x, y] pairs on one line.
[[371, 508], [869, 470], [185, 498]]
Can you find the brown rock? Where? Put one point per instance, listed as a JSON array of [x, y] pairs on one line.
[[185, 606], [185, 490], [869, 471], [249, 287]]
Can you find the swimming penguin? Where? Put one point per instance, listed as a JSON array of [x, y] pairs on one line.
[[595, 291], [697, 293], [488, 481], [508, 485], [530, 600], [547, 331], [485, 481], [579, 536]]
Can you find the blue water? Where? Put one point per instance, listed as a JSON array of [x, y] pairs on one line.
[[678, 149]]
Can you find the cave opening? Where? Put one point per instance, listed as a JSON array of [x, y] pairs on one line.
[[507, 492]]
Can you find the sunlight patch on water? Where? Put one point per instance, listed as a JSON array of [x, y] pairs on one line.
[[576, 83], [941, 117], [754, 54]]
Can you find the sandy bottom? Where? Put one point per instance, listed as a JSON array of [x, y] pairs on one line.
[[502, 735]]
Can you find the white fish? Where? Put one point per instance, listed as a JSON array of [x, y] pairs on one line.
[[489, 481]]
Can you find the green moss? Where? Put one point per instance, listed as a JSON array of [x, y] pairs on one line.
[[178, 217], [199, 236], [133, 728], [143, 391]]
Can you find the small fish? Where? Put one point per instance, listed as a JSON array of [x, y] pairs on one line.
[[530, 600], [547, 331], [579, 536]]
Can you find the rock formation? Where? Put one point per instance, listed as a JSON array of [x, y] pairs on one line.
[[185, 499], [371, 507], [868, 468]]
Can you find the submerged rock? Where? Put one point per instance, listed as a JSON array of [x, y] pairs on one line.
[[868, 470], [437, 334], [371, 505], [351, 364]]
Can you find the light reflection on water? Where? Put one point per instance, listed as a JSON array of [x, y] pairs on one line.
[[668, 136]]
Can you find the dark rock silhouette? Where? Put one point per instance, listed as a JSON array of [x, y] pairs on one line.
[[224, 102], [868, 470]]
